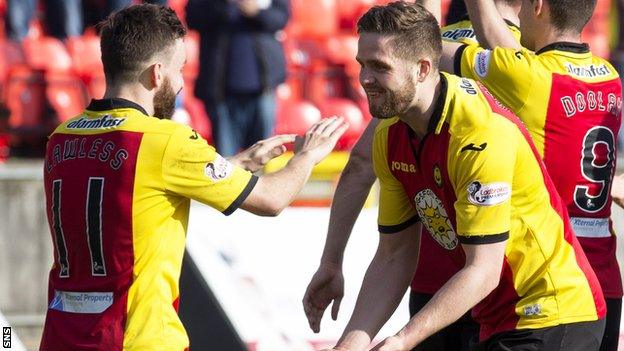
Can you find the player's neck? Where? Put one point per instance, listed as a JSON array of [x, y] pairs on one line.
[[419, 115], [555, 36], [131, 93]]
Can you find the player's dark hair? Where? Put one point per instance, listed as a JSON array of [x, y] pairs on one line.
[[415, 30], [573, 15], [135, 34]]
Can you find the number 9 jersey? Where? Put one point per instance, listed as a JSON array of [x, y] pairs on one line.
[[571, 103], [118, 188]]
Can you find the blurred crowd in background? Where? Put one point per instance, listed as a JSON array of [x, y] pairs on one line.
[[254, 67]]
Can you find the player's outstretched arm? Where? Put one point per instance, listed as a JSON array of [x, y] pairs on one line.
[[480, 275], [383, 287], [433, 6], [617, 190], [275, 191], [489, 25], [355, 182], [257, 156]]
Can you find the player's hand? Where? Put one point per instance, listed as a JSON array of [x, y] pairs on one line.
[[392, 343], [249, 8], [617, 190], [327, 285], [254, 158], [321, 138]]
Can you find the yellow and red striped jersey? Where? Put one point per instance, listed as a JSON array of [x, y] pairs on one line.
[[118, 187], [427, 280], [570, 101], [476, 177]]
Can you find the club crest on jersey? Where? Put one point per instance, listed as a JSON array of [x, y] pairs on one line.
[[437, 176], [434, 218], [482, 63], [218, 169], [488, 194]]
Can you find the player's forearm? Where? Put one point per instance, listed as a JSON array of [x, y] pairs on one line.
[[433, 6], [384, 285], [617, 190], [489, 25], [279, 189], [349, 198], [462, 292]]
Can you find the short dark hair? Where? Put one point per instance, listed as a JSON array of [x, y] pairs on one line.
[[415, 29], [135, 34], [571, 15]]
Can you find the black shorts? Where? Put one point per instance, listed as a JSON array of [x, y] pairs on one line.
[[459, 336], [582, 336], [612, 329]]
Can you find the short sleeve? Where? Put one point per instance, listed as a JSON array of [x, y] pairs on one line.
[[481, 169], [193, 169], [396, 212], [506, 73]]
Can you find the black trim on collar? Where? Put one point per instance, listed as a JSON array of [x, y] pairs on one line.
[[577, 48], [437, 112], [511, 24], [114, 103]]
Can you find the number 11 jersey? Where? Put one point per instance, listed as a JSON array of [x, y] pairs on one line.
[[118, 188], [571, 103]]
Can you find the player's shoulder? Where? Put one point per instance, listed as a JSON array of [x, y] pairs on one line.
[[122, 119], [590, 68], [461, 31], [474, 109]]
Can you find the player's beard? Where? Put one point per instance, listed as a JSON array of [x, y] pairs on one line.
[[389, 104], [164, 101]]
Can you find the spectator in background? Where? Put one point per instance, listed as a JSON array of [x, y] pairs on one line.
[[63, 17], [97, 10], [116, 5], [456, 12], [241, 64]]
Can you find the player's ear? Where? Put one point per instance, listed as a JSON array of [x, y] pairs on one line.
[[425, 67], [157, 74], [538, 7]]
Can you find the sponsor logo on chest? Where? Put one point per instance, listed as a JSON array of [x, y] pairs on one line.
[[403, 167]]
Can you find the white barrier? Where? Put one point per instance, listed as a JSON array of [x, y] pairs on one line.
[[259, 269]]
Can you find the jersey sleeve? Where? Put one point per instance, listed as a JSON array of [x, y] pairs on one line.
[[507, 73], [395, 209], [481, 170], [193, 169]]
